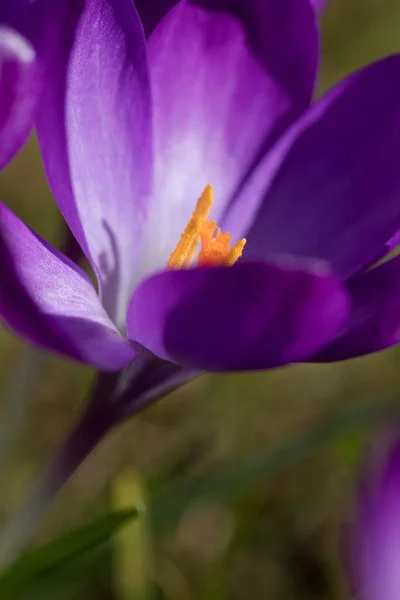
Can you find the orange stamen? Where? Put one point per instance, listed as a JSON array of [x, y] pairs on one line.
[[215, 245]]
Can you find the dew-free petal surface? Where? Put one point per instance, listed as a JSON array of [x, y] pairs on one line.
[[331, 186], [48, 300], [95, 137], [282, 33], [376, 534], [319, 5], [249, 316], [374, 323], [284, 36], [19, 88], [216, 102]]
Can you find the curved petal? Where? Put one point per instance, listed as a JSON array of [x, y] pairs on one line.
[[95, 137], [48, 300], [217, 102], [330, 188], [249, 316], [282, 33], [374, 323], [19, 88], [284, 36], [376, 533]]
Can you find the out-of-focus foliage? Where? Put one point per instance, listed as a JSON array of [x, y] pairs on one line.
[[56, 563], [283, 535]]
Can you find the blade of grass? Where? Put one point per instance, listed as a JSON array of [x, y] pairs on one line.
[[34, 567]]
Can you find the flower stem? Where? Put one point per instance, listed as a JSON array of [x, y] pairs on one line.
[[110, 403], [24, 379], [96, 422]]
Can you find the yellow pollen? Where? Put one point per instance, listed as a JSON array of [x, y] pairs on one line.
[[215, 249]]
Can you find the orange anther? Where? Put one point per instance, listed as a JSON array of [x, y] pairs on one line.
[[215, 246]]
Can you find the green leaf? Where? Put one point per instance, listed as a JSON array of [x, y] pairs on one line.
[[61, 554], [233, 479]]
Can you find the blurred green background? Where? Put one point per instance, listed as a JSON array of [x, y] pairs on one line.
[[278, 535]]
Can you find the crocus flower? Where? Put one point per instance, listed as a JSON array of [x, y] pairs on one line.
[[376, 533], [134, 130]]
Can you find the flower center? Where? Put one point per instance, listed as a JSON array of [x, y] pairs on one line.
[[215, 247]]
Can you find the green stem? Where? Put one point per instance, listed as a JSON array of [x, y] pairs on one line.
[[95, 424], [17, 399]]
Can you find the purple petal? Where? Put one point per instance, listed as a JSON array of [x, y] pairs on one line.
[[32, 19], [283, 36], [377, 533], [330, 188], [216, 103], [392, 243], [48, 300], [374, 323], [318, 5], [95, 136], [19, 88], [249, 316], [387, 249]]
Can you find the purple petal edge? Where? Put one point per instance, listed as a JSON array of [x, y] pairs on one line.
[[95, 137], [374, 323], [329, 188], [249, 316], [51, 302], [19, 90], [376, 532]]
